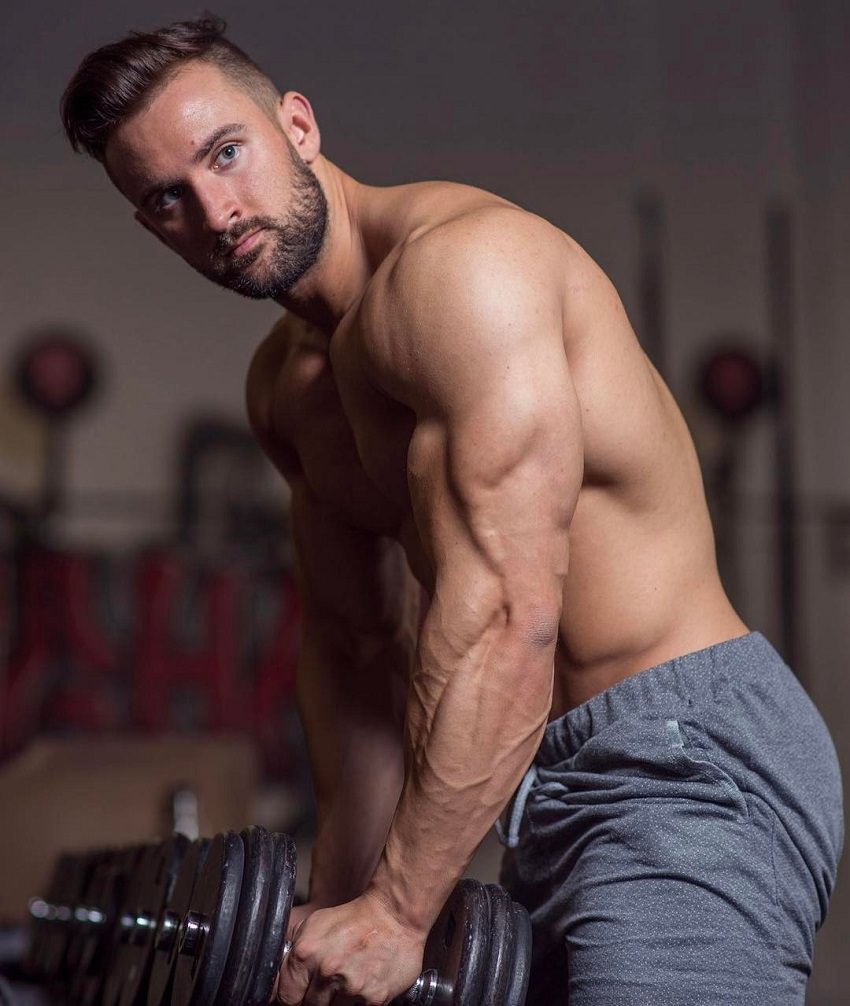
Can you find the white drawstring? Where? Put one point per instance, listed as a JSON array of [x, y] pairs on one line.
[[511, 839]]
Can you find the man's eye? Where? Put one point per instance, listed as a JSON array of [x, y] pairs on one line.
[[169, 197], [227, 154]]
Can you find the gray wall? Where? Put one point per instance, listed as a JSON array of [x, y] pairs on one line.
[[570, 107]]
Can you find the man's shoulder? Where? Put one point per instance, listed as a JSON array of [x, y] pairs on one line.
[[473, 232], [476, 255], [262, 384]]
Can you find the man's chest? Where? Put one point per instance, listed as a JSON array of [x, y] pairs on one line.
[[351, 442]]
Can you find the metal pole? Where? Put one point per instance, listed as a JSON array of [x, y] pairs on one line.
[[652, 328], [780, 305]]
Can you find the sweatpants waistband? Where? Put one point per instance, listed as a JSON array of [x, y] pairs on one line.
[[682, 681]]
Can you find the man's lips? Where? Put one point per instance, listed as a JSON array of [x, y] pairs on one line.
[[245, 244]]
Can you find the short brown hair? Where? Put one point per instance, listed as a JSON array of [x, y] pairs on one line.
[[116, 80]]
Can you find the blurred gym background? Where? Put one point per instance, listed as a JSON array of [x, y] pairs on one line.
[[699, 149]]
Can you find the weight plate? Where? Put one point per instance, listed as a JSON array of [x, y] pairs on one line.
[[250, 917], [521, 966], [86, 911], [116, 963], [89, 917], [501, 951], [207, 927], [105, 940], [60, 929], [157, 875], [457, 946], [166, 940], [282, 889], [40, 915]]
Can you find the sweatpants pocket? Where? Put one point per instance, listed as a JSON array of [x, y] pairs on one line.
[[695, 760]]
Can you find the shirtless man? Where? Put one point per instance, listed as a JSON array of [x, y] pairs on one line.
[[499, 521]]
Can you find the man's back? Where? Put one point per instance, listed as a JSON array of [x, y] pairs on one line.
[[642, 585]]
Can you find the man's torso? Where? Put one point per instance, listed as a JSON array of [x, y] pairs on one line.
[[642, 585]]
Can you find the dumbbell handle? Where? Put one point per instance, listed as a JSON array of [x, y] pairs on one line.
[[423, 992]]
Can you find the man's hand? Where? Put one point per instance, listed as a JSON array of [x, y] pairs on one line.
[[297, 916], [356, 953]]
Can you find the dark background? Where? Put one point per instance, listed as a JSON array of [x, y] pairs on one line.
[[711, 112]]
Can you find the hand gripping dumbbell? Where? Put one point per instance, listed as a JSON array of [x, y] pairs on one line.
[[203, 924], [477, 952]]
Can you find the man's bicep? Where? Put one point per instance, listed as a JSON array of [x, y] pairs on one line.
[[493, 493], [477, 339], [496, 461]]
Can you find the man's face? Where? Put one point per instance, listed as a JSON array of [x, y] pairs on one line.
[[216, 178]]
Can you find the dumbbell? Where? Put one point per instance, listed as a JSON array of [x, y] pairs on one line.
[[57, 917], [128, 975], [98, 938], [203, 924], [477, 952], [42, 913], [199, 922], [222, 932], [74, 926]]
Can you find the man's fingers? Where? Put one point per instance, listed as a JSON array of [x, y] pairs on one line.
[[293, 978], [310, 990]]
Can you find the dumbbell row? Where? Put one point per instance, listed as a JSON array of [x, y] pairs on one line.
[[203, 924]]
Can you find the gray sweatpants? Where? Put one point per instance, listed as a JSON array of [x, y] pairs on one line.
[[679, 837]]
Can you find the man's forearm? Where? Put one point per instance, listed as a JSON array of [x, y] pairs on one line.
[[474, 722], [352, 718]]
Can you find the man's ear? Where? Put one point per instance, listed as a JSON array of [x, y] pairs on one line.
[[137, 216], [296, 118]]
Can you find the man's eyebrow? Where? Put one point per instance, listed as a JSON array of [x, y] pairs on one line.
[[212, 140], [197, 157]]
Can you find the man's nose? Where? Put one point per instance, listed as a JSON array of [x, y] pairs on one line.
[[218, 207]]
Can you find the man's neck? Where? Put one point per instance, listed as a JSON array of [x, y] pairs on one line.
[[337, 280]]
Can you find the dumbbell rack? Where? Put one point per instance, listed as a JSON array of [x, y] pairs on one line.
[[203, 923]]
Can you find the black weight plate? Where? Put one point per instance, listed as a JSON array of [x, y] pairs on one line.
[[105, 941], [157, 875], [166, 940], [521, 966], [457, 946], [122, 933], [58, 935], [113, 962], [250, 917], [40, 911], [60, 917], [282, 889], [500, 958], [89, 917], [206, 931]]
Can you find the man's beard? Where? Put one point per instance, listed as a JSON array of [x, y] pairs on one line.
[[295, 243]]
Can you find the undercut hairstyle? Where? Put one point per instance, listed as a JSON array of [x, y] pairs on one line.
[[117, 80]]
